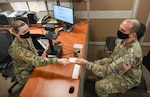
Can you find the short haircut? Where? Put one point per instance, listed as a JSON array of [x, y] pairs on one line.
[[135, 25]]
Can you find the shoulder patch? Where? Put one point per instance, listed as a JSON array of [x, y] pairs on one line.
[[28, 54], [21, 52], [24, 53]]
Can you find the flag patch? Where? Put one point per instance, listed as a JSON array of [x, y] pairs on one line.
[[126, 66]]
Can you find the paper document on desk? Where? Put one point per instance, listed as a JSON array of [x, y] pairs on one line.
[[76, 71]]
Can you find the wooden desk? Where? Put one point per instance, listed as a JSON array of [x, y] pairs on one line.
[[56, 80]]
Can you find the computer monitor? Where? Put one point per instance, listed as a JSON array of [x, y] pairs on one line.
[[64, 14]]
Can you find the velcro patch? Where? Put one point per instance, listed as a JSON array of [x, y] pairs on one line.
[[21, 52], [121, 68], [28, 54], [126, 66]]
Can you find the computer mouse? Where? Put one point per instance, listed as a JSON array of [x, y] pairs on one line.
[[71, 89]]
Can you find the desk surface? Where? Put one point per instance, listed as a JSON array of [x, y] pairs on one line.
[[56, 80], [51, 81]]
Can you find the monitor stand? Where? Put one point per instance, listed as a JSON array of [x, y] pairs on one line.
[[68, 27]]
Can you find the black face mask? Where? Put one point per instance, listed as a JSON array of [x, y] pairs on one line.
[[26, 35], [122, 35]]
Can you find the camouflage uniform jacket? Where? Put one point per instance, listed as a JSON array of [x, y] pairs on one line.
[[123, 64], [25, 58]]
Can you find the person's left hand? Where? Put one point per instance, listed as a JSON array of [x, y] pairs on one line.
[[63, 61]]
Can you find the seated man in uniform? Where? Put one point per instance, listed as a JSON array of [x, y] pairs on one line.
[[122, 69], [25, 56]]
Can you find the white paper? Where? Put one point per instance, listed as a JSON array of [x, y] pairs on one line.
[[72, 60], [19, 6], [37, 6], [78, 46], [76, 70], [62, 3]]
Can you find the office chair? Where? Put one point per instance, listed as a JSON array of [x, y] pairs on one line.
[[4, 21], [146, 61], [110, 44], [6, 65], [141, 31]]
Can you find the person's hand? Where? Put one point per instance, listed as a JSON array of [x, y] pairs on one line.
[[63, 61], [81, 61]]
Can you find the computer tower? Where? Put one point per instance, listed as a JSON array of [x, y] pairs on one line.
[[32, 17], [23, 18], [12, 17]]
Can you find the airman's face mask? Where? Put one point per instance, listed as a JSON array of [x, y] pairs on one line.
[[26, 35], [122, 35]]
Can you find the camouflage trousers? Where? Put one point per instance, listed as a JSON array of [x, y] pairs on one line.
[[104, 87], [23, 77], [109, 84]]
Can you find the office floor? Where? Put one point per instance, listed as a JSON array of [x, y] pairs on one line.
[[89, 90]]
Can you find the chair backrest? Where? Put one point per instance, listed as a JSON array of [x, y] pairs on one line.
[[110, 42], [6, 39], [141, 31], [146, 61]]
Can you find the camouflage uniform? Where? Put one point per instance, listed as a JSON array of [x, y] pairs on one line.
[[25, 58], [120, 71]]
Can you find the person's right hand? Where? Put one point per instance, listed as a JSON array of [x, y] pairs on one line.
[[63, 61], [81, 61]]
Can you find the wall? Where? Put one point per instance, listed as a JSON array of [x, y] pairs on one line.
[[105, 16], [6, 6]]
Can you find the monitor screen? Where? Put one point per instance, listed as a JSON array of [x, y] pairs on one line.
[[64, 14]]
